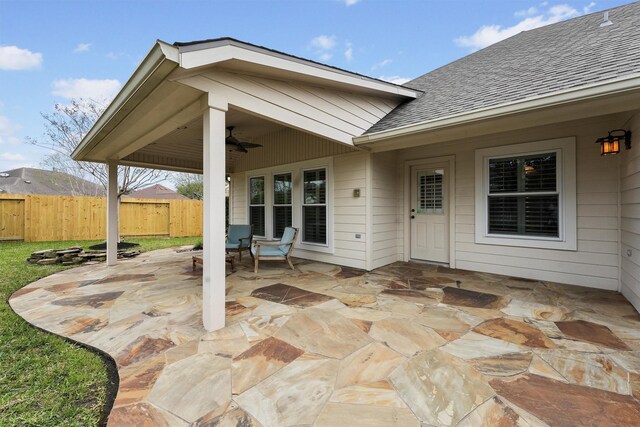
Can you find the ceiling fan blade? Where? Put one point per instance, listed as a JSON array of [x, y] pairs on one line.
[[250, 145], [236, 146], [240, 145]]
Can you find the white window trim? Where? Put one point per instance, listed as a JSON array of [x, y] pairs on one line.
[[273, 198], [567, 215], [264, 205], [325, 204], [296, 171]]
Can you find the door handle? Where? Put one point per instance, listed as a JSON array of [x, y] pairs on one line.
[[413, 216]]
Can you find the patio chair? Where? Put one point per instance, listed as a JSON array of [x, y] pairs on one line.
[[264, 250], [239, 238]]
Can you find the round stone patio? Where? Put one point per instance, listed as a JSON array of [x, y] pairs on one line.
[[404, 345]]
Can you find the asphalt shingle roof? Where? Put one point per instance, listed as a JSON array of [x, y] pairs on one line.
[[157, 191], [566, 55], [40, 181]]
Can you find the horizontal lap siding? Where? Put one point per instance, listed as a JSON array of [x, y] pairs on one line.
[[238, 199], [630, 220], [595, 263], [286, 146], [384, 204], [349, 172], [349, 219]]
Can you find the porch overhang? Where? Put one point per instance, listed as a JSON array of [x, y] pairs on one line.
[[173, 111], [166, 95]]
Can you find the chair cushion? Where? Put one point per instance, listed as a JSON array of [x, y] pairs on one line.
[[288, 235], [230, 245], [237, 232], [269, 251]]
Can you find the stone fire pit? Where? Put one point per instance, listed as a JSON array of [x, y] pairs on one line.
[[74, 255]]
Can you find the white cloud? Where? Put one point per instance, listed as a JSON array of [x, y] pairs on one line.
[[14, 58], [324, 42], [82, 47], [323, 46], [12, 157], [8, 131], [86, 88], [350, 2], [527, 12], [490, 34], [348, 51], [381, 64], [587, 8], [395, 79]]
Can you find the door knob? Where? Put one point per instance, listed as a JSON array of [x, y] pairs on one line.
[[413, 216]]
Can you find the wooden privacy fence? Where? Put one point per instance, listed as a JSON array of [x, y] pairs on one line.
[[40, 218]]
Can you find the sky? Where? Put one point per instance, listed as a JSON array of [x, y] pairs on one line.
[[53, 51]]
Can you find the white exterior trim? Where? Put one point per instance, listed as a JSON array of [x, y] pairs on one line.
[[451, 161], [566, 152], [601, 89], [113, 226], [296, 170], [213, 230], [213, 52], [154, 68]]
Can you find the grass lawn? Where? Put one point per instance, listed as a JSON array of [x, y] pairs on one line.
[[45, 380]]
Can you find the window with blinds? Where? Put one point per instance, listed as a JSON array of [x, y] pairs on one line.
[[523, 196], [314, 206], [430, 192], [282, 210], [256, 205]]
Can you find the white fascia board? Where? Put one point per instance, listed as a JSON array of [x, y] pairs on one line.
[[160, 54], [211, 53], [610, 87]]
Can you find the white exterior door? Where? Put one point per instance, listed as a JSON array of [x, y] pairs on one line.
[[429, 213]]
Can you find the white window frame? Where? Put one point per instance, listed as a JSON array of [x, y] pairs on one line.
[[565, 149], [264, 204], [325, 204], [296, 171], [272, 232]]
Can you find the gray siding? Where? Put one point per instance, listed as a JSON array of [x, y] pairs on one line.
[[385, 213], [595, 263], [630, 219]]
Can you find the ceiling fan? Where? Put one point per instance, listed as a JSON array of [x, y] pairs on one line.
[[236, 145]]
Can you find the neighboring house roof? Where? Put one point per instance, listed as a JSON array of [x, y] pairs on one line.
[[570, 54], [156, 191], [39, 181]]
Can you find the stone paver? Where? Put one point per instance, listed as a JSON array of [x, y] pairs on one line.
[[406, 344]]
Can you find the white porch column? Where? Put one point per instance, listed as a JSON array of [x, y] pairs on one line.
[[112, 213], [213, 274]]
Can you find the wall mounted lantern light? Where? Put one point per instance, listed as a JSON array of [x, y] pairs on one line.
[[610, 144]]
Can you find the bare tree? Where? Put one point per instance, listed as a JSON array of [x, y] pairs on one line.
[[189, 185], [65, 128]]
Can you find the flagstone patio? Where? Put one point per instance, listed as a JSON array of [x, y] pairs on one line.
[[404, 345]]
